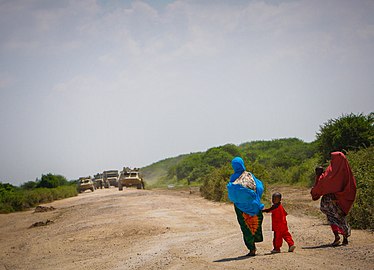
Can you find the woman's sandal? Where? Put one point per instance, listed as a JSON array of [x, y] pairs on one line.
[[345, 241], [251, 253], [336, 242]]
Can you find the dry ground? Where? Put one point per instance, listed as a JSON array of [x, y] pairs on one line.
[[160, 229]]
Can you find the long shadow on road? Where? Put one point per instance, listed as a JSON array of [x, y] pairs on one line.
[[321, 246], [244, 257]]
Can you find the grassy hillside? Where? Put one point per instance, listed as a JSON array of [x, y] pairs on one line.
[[158, 171], [287, 160]]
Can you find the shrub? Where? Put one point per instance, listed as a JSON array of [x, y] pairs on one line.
[[362, 165], [214, 184], [347, 133]]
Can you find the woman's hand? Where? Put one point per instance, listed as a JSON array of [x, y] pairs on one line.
[[314, 195], [319, 171]]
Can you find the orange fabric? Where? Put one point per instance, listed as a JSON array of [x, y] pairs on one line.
[[339, 180], [252, 222]]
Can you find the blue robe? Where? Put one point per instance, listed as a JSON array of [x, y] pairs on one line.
[[247, 200]]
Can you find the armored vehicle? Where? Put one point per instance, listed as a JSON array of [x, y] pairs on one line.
[[85, 183], [110, 178], [98, 180], [130, 178]]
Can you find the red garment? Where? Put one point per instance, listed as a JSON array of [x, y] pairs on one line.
[[336, 228], [278, 219], [337, 179], [280, 228], [278, 239]]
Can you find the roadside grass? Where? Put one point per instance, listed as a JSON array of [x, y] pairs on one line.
[[19, 199]]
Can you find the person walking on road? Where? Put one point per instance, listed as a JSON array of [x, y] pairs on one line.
[[279, 224], [337, 186], [245, 191]]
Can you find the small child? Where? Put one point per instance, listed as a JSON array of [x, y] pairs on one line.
[[279, 224]]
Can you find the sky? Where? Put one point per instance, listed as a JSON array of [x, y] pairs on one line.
[[92, 85]]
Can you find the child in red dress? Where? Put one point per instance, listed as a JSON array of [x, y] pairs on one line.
[[279, 224]]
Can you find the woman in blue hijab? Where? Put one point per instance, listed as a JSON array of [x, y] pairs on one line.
[[245, 191]]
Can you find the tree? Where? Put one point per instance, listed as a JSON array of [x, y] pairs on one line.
[[217, 157], [6, 187], [186, 165], [349, 132], [52, 181]]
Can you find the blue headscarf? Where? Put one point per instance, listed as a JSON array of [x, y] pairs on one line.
[[238, 165], [247, 200]]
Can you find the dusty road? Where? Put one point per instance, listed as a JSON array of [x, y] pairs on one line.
[[141, 229]]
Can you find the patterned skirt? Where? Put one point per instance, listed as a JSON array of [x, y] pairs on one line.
[[251, 227], [335, 215]]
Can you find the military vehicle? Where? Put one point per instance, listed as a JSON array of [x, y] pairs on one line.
[[110, 178], [98, 180], [85, 183], [130, 178]]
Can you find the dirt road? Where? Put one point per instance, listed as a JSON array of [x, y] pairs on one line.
[[142, 229]]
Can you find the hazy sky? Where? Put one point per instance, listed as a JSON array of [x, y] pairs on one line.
[[92, 85]]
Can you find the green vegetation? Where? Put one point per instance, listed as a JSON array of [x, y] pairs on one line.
[[349, 132], [214, 185], [278, 161], [289, 161], [49, 188], [362, 165], [52, 181]]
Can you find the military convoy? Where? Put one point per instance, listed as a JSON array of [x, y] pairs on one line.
[[126, 178], [130, 178]]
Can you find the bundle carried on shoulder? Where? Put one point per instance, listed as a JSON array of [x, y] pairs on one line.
[[245, 192], [246, 180]]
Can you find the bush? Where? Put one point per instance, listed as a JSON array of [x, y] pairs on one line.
[[347, 133], [362, 164], [214, 184]]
